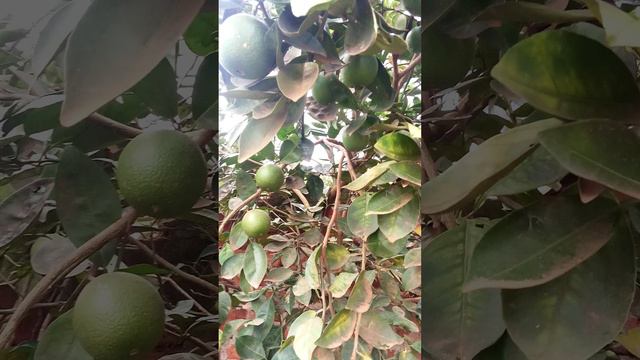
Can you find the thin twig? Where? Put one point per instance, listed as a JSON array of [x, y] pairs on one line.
[[345, 154], [325, 240], [396, 72], [302, 198], [363, 267], [63, 268], [238, 208], [126, 130], [35, 306], [187, 295], [160, 260]]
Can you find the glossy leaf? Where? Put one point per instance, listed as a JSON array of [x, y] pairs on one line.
[[401, 222], [361, 29], [408, 170], [478, 170], [361, 295], [255, 264], [461, 324], [86, 200], [339, 330], [337, 256], [380, 245], [538, 169], [390, 200], [398, 146], [19, 210], [296, 79], [249, 347], [159, 90], [232, 267], [59, 341], [553, 237], [360, 224], [599, 84], [201, 35], [597, 150], [99, 49], [542, 320], [369, 176]]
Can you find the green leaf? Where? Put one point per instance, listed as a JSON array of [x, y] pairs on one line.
[[255, 264], [86, 200], [145, 269], [341, 284], [412, 258], [390, 200], [311, 272], [337, 256], [159, 90], [377, 332], [232, 267], [401, 222], [99, 49], [205, 88], [362, 28], [594, 297], [479, 169], [529, 12], [339, 330], [597, 150], [538, 169], [306, 329], [47, 252], [621, 27], [361, 295], [598, 85], [53, 35], [398, 146], [265, 312], [381, 247], [201, 35], [369, 176], [411, 278], [553, 237], [382, 94], [60, 342], [461, 324], [250, 348], [407, 170], [245, 184], [237, 237], [295, 79], [360, 224], [279, 275], [289, 256], [22, 207], [503, 349], [303, 7]]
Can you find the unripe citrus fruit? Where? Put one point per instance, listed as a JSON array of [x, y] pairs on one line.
[[412, 6], [246, 51], [356, 141], [322, 90], [269, 177], [161, 173], [256, 222], [414, 40], [117, 316], [360, 71]]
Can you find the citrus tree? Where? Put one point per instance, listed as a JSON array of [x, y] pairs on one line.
[[319, 179], [107, 162], [533, 183]]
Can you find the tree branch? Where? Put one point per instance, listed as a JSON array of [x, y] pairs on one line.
[[123, 129]]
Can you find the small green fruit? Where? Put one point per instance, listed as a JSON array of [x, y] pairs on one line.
[[360, 71], [118, 316], [256, 222], [414, 40], [356, 141], [269, 177]]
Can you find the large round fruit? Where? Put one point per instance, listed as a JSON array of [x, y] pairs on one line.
[[355, 141], [117, 316], [246, 51], [256, 222], [323, 90], [398, 146], [269, 177], [414, 40], [360, 71], [412, 6], [162, 173]]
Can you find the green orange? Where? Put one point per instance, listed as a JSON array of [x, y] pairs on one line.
[[355, 141], [414, 40], [246, 50], [269, 177], [256, 223], [161, 173], [118, 316], [360, 71]]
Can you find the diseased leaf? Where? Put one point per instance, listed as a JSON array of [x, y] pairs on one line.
[[401, 222], [369, 176], [99, 49], [339, 330], [306, 329], [341, 284], [337, 256], [362, 28], [250, 348], [542, 320], [553, 236], [478, 170], [621, 27], [390, 200], [296, 79], [361, 295], [255, 264], [311, 271], [360, 224], [377, 332], [408, 170]]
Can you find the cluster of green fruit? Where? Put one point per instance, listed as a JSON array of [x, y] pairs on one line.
[[256, 222]]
